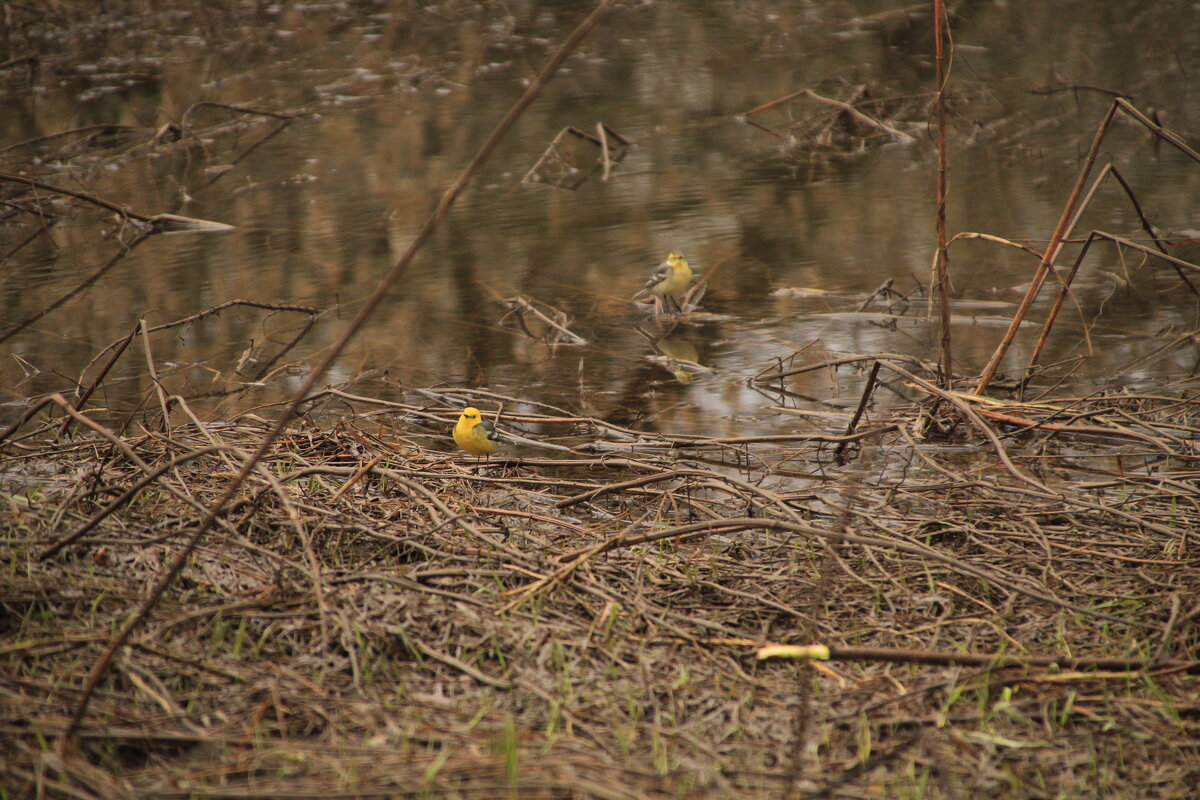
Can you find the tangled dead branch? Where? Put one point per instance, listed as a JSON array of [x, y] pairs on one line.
[[371, 606]]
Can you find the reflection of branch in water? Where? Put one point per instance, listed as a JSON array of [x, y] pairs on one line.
[[270, 364], [141, 236], [42, 230], [142, 225], [847, 108], [285, 119], [92, 132], [185, 119], [567, 175], [85, 197], [118, 347], [312, 312], [555, 319]]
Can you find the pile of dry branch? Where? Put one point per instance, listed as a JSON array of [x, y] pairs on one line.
[[1008, 591]]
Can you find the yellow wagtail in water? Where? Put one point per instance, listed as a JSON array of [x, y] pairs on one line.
[[475, 434], [671, 278]]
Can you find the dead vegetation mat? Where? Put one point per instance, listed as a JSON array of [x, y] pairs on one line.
[[374, 617]]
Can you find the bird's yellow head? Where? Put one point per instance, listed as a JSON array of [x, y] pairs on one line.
[[470, 413], [675, 258]]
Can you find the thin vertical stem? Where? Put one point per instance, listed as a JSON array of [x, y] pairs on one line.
[[945, 358], [1058, 304], [868, 390]]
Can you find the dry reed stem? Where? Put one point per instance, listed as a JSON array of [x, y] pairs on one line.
[[1072, 210], [942, 259]]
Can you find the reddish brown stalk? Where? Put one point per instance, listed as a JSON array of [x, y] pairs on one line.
[[1109, 169], [1048, 256], [1179, 264], [945, 358]]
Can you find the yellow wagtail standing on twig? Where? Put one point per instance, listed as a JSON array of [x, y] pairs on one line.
[[475, 434], [671, 278]]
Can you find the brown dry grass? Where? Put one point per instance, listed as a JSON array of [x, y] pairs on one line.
[[587, 627]]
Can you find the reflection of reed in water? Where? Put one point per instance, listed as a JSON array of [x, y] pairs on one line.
[[563, 166], [675, 354]]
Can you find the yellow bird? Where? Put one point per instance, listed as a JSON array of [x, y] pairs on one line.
[[475, 434], [671, 278]]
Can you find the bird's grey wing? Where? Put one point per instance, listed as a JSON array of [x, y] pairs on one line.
[[658, 276]]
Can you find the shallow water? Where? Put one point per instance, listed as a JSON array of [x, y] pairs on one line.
[[402, 94]]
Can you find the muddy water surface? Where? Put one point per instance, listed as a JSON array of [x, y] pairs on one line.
[[794, 226]]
